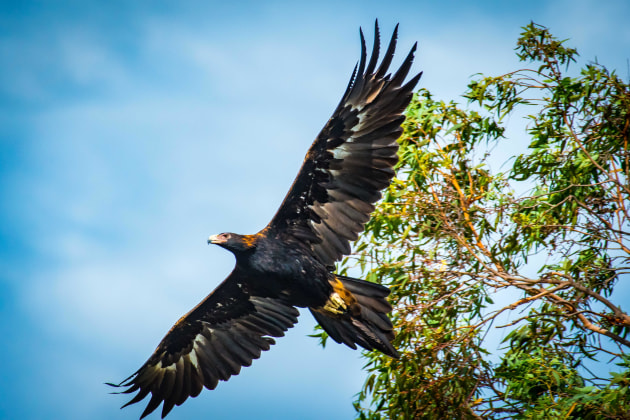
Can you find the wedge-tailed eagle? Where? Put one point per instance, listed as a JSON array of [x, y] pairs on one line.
[[290, 263]]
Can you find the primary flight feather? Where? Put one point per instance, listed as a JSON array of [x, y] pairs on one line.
[[290, 263]]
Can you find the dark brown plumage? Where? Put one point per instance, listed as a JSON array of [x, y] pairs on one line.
[[290, 262]]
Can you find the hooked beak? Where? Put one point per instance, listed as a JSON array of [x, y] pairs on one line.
[[213, 239]]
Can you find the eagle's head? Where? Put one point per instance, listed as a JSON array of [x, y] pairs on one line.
[[233, 241]]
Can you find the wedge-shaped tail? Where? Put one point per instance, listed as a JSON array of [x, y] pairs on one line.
[[356, 313]]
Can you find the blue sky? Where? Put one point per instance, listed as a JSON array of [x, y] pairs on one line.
[[131, 131]]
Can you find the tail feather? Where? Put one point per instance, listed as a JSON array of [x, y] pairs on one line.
[[362, 320], [368, 294]]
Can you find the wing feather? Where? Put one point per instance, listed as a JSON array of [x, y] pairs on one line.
[[351, 160], [226, 331]]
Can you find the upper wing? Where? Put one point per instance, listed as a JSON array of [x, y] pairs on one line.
[[351, 160], [210, 343]]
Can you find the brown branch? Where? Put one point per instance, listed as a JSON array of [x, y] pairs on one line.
[[619, 314]]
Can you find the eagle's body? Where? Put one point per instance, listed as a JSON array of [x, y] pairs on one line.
[[290, 263], [276, 267]]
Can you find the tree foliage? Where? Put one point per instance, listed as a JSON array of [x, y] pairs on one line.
[[547, 238]]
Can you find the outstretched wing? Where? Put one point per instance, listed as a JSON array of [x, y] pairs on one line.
[[351, 160], [227, 330]]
